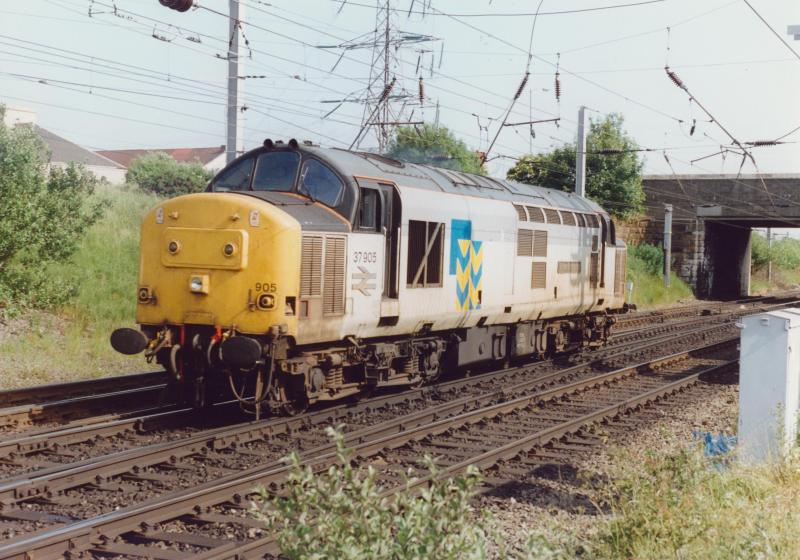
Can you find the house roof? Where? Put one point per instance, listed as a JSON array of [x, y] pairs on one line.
[[183, 155], [64, 151]]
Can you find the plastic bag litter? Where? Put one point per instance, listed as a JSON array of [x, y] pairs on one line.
[[714, 446]]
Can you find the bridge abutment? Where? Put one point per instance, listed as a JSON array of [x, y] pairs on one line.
[[713, 216]]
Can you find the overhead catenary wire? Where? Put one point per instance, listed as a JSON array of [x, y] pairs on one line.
[[513, 14], [765, 22], [295, 39], [445, 107], [746, 153], [520, 89]]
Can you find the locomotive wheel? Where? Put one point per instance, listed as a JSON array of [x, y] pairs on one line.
[[431, 368], [294, 399], [295, 406]]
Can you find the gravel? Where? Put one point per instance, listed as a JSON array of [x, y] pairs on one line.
[[557, 501]]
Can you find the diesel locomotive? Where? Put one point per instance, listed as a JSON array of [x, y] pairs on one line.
[[309, 274]]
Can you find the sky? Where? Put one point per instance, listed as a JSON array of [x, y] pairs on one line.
[[115, 74]]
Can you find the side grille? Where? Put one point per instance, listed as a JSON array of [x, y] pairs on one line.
[[581, 220], [311, 266], [538, 275], [521, 213], [524, 243], [619, 271], [594, 269], [536, 214], [552, 216], [539, 243], [569, 218], [569, 267], [333, 293]]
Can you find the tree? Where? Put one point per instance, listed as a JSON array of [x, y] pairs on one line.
[[44, 214], [613, 168], [437, 146], [160, 174]]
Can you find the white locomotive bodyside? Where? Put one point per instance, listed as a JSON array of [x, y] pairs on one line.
[[499, 262]]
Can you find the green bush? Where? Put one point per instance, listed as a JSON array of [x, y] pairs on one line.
[[342, 513], [759, 251], [785, 253], [650, 255], [44, 214], [160, 174], [645, 271], [613, 168]]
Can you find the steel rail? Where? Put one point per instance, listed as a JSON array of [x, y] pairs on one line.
[[66, 408], [59, 391]]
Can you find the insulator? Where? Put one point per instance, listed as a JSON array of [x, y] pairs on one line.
[[421, 91], [387, 90], [764, 143], [179, 5], [558, 87], [694, 125], [674, 77], [522, 85]]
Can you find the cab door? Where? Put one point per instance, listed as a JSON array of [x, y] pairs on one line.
[[379, 210]]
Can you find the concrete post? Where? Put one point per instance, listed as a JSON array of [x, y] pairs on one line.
[[580, 155], [234, 144], [667, 242], [769, 256], [744, 269]]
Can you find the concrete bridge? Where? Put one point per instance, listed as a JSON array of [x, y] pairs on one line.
[[712, 219]]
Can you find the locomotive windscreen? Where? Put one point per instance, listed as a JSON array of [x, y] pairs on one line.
[[276, 171]]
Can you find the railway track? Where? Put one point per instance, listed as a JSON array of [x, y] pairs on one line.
[[55, 450], [482, 430], [66, 502]]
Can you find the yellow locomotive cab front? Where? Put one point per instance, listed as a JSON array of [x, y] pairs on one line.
[[226, 261]]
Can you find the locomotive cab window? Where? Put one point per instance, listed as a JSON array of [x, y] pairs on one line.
[[234, 178], [276, 171], [318, 182], [369, 210]]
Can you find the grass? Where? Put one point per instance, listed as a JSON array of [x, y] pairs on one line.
[[73, 343], [782, 279], [648, 287], [681, 506]]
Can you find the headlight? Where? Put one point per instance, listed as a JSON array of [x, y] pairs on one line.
[[198, 284], [229, 249], [173, 246]]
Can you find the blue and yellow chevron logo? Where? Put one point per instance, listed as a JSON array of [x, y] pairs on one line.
[[466, 262]]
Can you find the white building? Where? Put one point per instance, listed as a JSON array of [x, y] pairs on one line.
[[61, 152]]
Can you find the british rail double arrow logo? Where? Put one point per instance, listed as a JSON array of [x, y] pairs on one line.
[[361, 281]]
